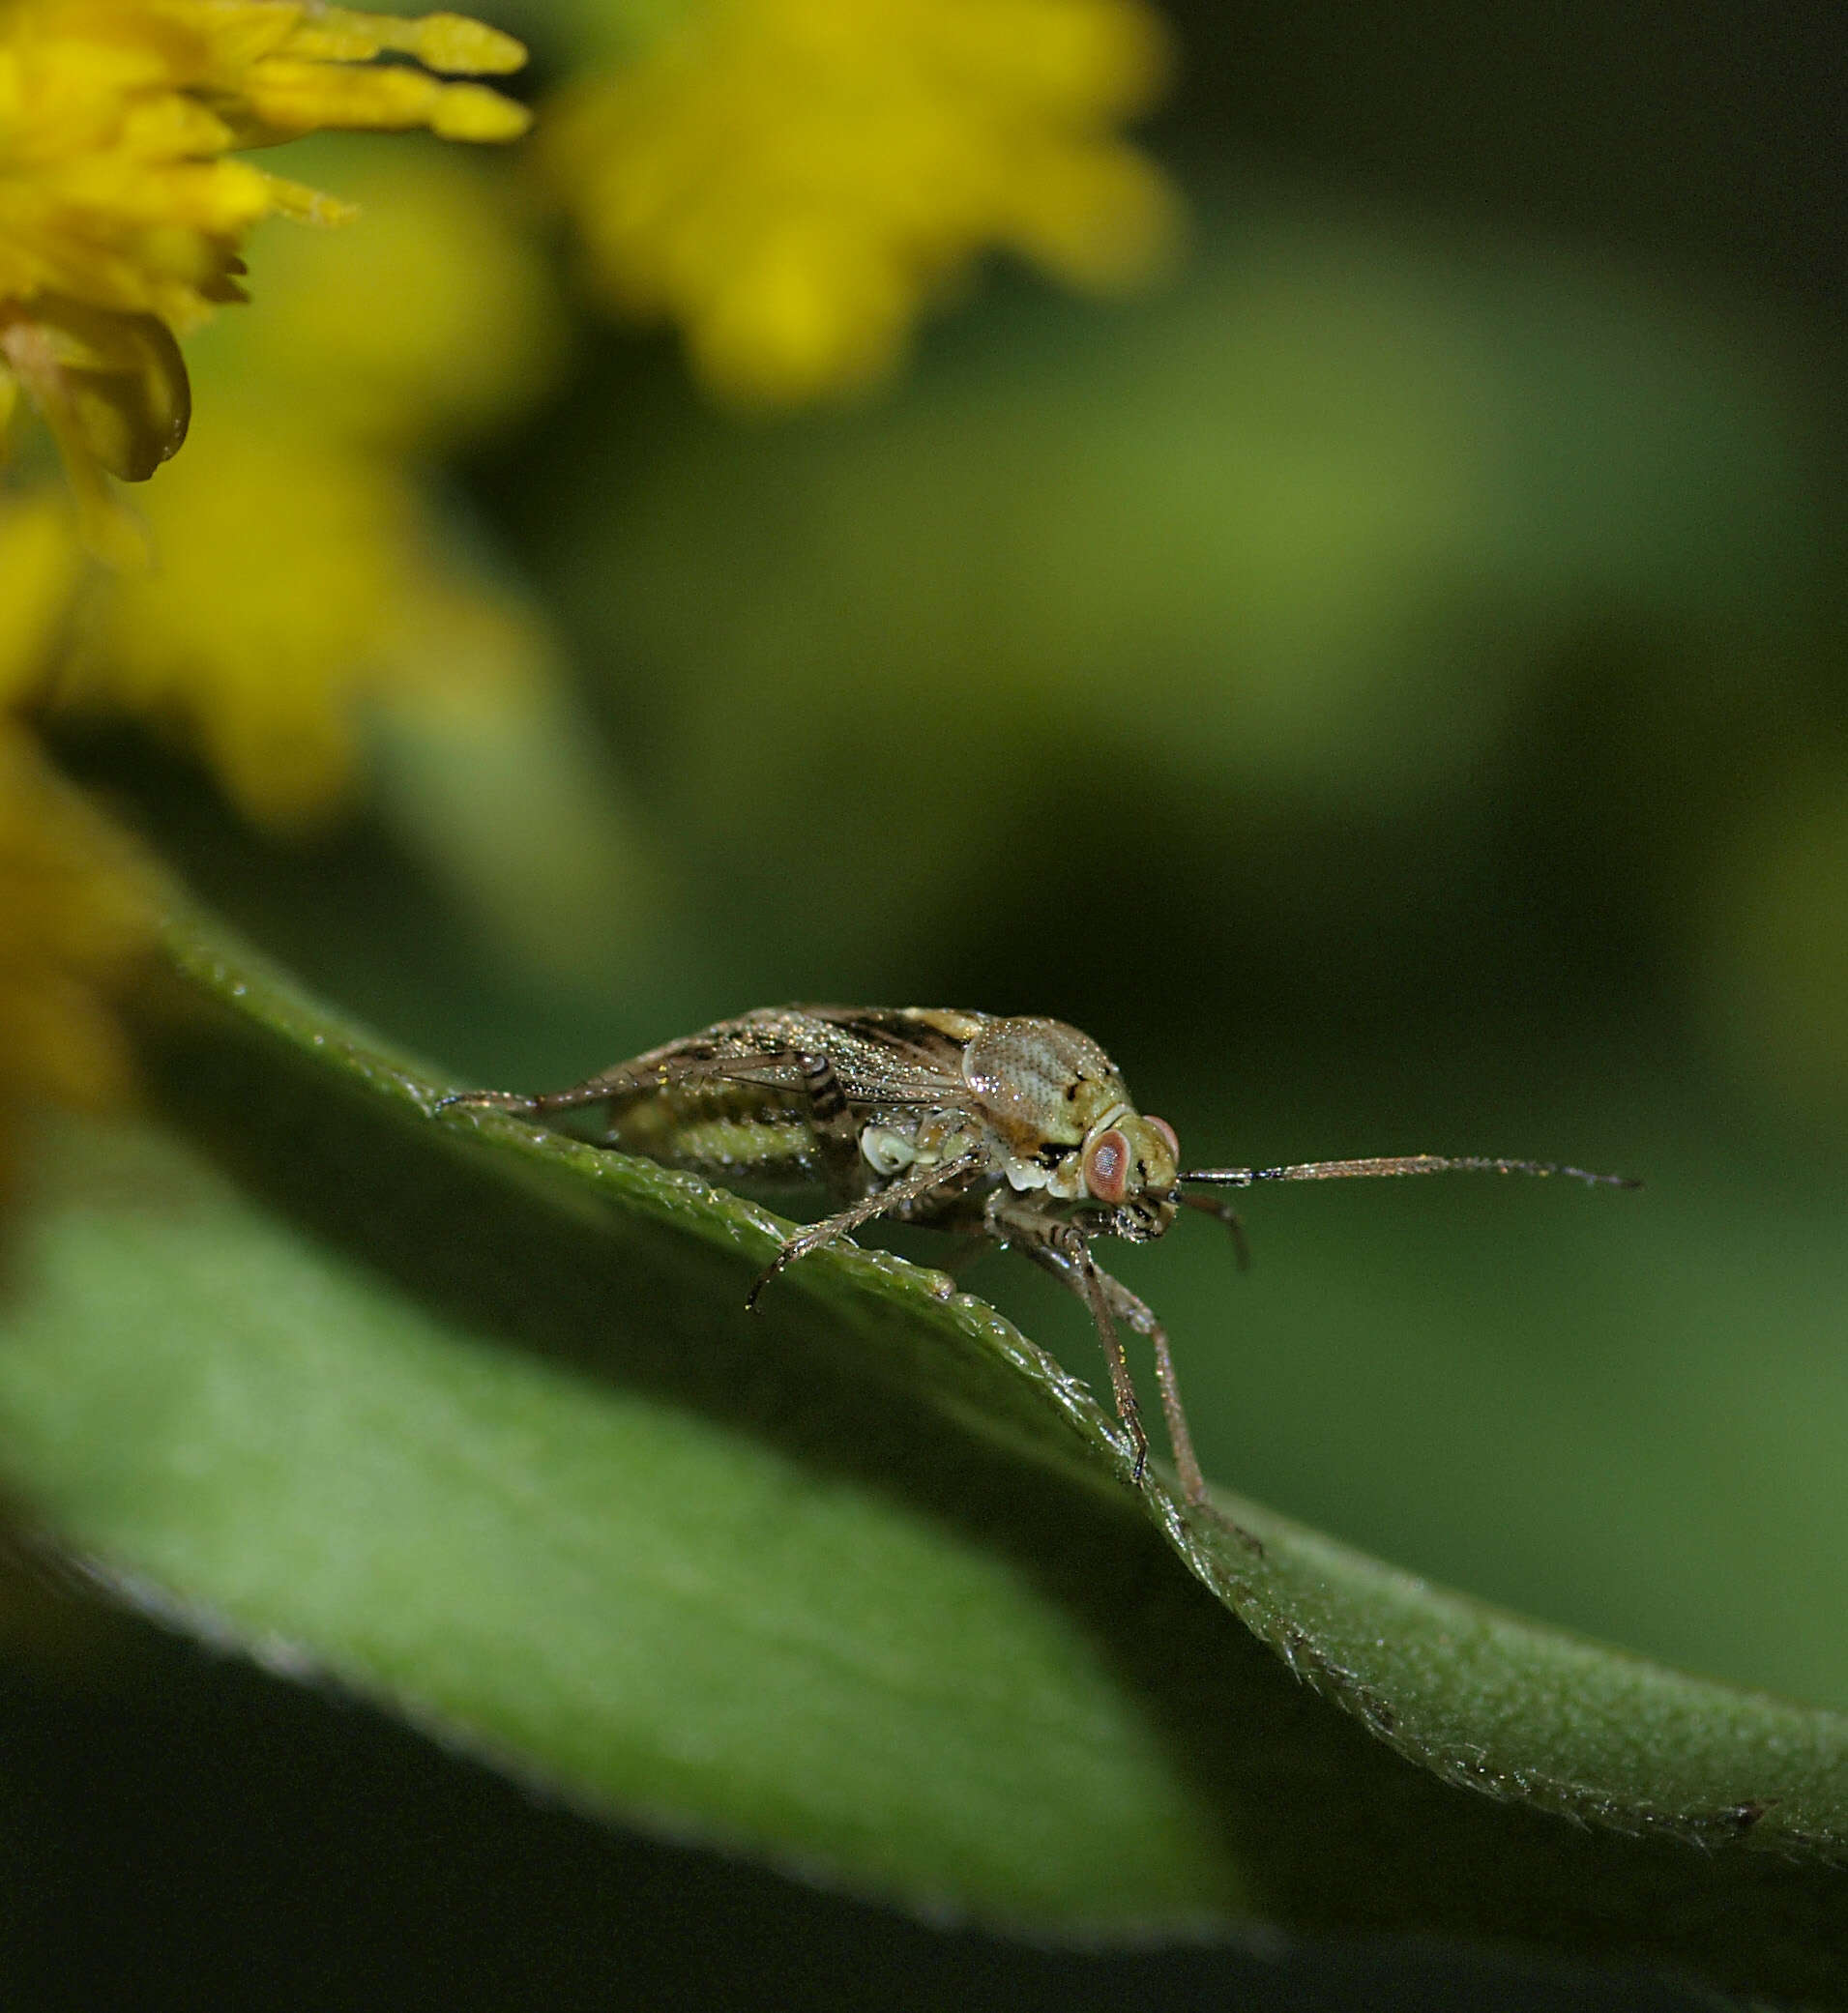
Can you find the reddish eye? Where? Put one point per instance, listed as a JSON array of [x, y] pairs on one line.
[[1167, 1132], [1107, 1166]]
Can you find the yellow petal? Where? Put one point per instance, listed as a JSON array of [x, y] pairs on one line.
[[451, 42], [294, 96]]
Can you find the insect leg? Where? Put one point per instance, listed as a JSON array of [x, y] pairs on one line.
[[909, 1188], [612, 1087], [836, 1131], [698, 1059], [1125, 1306], [485, 1100], [1061, 1250], [1217, 1206]]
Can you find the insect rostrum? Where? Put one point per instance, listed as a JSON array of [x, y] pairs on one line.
[[1008, 1127]]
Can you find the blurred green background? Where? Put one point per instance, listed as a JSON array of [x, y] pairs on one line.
[[1386, 684]]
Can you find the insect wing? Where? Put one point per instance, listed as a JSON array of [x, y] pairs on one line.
[[887, 1057]]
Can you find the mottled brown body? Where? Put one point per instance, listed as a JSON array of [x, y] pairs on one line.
[[1007, 1126]]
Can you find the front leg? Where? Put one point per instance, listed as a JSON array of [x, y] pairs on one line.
[[1125, 1306], [1061, 1249]]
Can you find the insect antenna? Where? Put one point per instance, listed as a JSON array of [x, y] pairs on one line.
[[1396, 1165]]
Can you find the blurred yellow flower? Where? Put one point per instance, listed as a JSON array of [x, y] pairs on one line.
[[74, 905], [299, 576], [40, 564], [75, 911], [793, 179], [429, 320], [121, 215], [299, 583], [284, 569]]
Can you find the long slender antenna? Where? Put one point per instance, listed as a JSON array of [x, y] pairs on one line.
[[1396, 1165]]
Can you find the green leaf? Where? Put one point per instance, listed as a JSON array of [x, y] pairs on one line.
[[471, 1418]]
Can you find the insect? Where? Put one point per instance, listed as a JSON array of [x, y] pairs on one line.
[[1008, 1128]]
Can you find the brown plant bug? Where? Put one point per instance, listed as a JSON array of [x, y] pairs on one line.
[[1009, 1127]]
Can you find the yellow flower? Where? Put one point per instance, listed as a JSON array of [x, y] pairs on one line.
[[283, 568], [74, 904], [40, 566], [74, 911], [432, 318], [297, 584], [122, 211], [792, 179], [299, 576]]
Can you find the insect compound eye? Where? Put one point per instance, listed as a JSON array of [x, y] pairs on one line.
[[1107, 1166], [1168, 1134]]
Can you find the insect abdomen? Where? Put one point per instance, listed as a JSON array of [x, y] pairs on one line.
[[755, 1140]]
